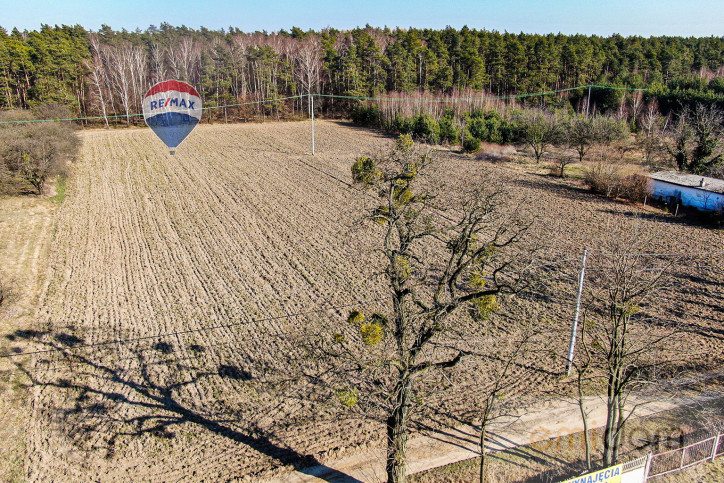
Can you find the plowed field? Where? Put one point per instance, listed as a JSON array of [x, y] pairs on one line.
[[216, 249]]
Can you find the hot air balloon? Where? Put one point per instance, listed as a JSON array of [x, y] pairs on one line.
[[172, 109]]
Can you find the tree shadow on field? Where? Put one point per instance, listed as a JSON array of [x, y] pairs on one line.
[[109, 396], [576, 193], [609, 206], [657, 217]]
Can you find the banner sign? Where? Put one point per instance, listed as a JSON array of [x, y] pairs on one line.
[[608, 475]]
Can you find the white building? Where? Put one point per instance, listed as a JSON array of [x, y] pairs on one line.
[[706, 194]]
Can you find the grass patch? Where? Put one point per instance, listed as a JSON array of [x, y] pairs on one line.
[[575, 171], [60, 187]]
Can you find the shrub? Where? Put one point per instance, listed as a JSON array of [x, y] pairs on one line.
[[481, 308], [371, 333], [608, 180], [32, 152], [8, 183], [401, 125], [364, 170], [426, 128], [495, 152], [347, 397], [449, 132], [490, 127], [356, 318], [478, 128], [716, 85], [471, 144], [633, 188], [366, 115], [603, 178]]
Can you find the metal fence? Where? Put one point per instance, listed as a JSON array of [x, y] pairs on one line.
[[693, 454], [636, 464]]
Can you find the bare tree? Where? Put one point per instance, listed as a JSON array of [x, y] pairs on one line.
[[636, 102], [649, 138], [563, 160], [444, 269], [308, 63], [502, 381], [184, 60], [582, 132], [237, 50], [158, 66], [623, 337], [538, 130], [33, 152], [98, 75], [121, 61], [139, 73], [583, 366]]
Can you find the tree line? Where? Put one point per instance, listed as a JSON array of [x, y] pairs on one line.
[[105, 73]]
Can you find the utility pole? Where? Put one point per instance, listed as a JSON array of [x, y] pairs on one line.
[[588, 102], [574, 329]]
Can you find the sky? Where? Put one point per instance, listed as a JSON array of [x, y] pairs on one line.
[[603, 17]]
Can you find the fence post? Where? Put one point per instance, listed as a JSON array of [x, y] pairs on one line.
[[715, 446], [647, 465], [574, 328], [683, 457]]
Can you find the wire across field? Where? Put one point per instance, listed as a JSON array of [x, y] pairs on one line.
[[219, 250]]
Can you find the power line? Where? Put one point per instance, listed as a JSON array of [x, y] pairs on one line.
[[49, 365], [188, 331], [206, 329], [297, 314], [224, 326], [335, 96], [54, 365], [654, 254], [482, 97], [121, 116], [68, 364]]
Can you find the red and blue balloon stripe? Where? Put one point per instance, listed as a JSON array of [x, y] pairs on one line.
[[172, 109]]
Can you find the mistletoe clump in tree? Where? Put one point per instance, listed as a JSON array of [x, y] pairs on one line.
[[446, 263]]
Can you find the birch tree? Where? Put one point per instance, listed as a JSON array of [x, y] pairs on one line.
[[308, 63], [619, 344], [98, 76]]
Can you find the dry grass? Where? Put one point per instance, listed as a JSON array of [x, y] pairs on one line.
[[25, 235], [563, 457], [496, 152]]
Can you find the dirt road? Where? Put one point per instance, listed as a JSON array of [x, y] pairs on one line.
[[440, 448]]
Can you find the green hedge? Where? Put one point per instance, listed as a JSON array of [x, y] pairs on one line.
[[481, 125]]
